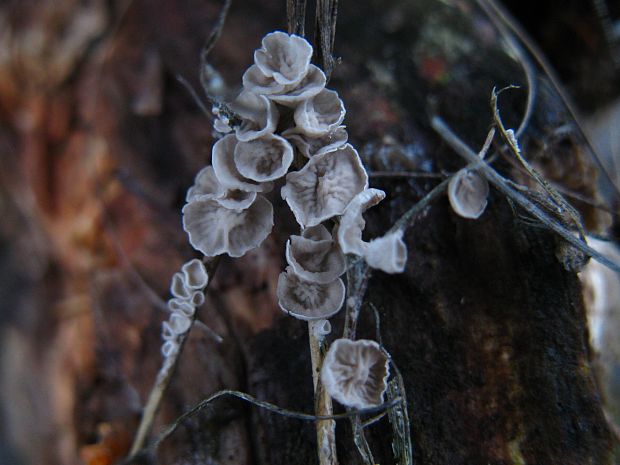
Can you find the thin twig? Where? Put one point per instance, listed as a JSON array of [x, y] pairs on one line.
[[503, 186], [170, 429], [326, 429], [502, 14], [562, 205], [162, 381], [325, 34], [296, 16]]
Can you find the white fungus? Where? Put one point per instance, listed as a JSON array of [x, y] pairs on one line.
[[179, 323], [309, 146], [314, 256], [293, 95], [207, 186], [214, 230], [306, 300], [355, 373], [324, 187], [184, 306], [284, 57], [468, 192], [195, 273], [320, 114], [264, 159], [259, 116], [178, 286], [225, 169]]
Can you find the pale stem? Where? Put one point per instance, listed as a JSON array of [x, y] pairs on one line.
[[164, 376], [325, 429]]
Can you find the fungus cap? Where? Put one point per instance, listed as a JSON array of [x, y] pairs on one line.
[[309, 146], [256, 82], [265, 159], [291, 96], [468, 192], [184, 306], [225, 169], [314, 256], [306, 300], [284, 57], [178, 286], [387, 253], [259, 115], [214, 229], [195, 273], [320, 114], [206, 185], [352, 222], [180, 323], [355, 373], [169, 348], [324, 187]]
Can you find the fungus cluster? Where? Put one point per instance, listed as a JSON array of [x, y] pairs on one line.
[[187, 288], [285, 118]]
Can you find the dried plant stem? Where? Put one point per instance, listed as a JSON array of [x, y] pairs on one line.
[[503, 185], [164, 376], [325, 429]]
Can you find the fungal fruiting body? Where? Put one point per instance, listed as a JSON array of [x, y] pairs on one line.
[[355, 373]]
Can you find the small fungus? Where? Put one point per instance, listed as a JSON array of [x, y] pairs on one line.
[[324, 187], [310, 146], [225, 169], [207, 186], [293, 95], [259, 116], [179, 323], [387, 253], [306, 300], [264, 159], [214, 230], [314, 256], [178, 286], [169, 348], [468, 192], [284, 57], [185, 306], [195, 273], [355, 373], [320, 114]]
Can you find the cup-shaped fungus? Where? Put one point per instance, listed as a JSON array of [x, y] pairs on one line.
[[320, 114], [185, 306], [309, 146], [207, 186], [292, 95], [306, 300], [214, 230], [226, 172], [387, 253], [256, 82], [324, 187], [468, 192], [284, 57], [178, 286], [314, 256], [180, 323], [264, 159], [355, 373], [259, 116], [195, 273]]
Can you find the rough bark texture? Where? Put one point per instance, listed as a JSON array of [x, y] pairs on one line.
[[98, 144]]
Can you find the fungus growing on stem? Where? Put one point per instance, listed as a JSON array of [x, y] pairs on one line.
[[225, 169], [178, 286], [320, 114], [308, 87], [207, 186], [195, 274], [314, 256], [468, 192], [259, 116], [264, 159], [387, 253], [214, 230], [309, 146], [324, 187], [284, 57], [307, 300], [355, 373]]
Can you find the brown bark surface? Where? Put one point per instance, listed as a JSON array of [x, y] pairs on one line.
[[98, 143]]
